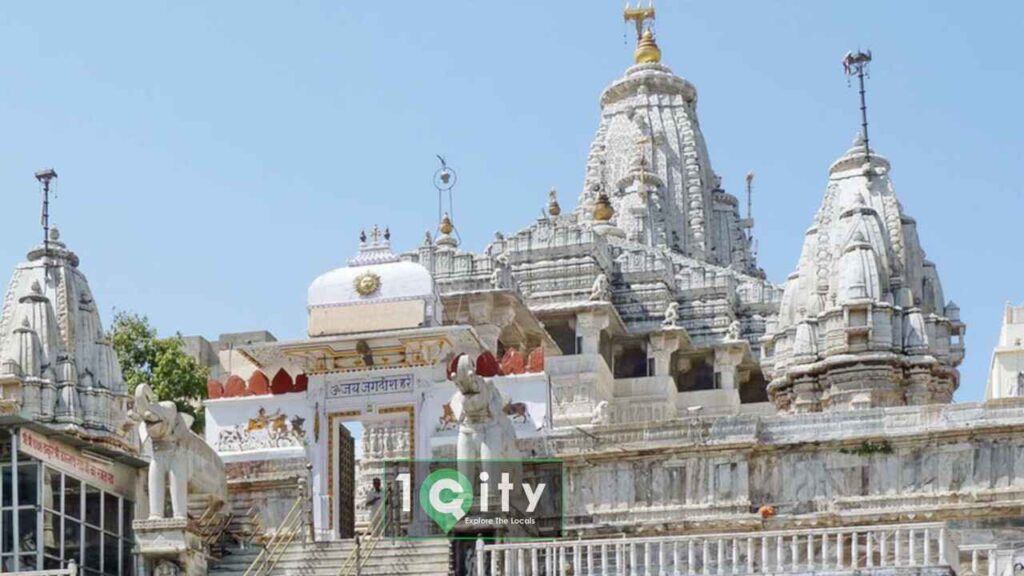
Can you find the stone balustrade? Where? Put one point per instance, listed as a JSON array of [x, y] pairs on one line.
[[753, 429], [903, 548]]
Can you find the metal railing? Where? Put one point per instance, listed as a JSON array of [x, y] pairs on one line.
[[359, 556], [281, 539], [770, 552]]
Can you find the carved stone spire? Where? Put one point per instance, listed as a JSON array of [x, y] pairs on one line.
[[651, 104], [862, 321]]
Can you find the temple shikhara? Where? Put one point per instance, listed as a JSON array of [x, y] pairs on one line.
[[707, 420]]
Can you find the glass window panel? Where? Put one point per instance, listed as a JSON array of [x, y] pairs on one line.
[[93, 505], [111, 514], [110, 554], [51, 563], [52, 491], [72, 497], [7, 536], [28, 484], [72, 540], [93, 548], [127, 562], [27, 528], [51, 534], [5, 477], [28, 561], [128, 513]]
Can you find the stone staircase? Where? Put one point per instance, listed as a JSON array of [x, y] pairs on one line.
[[415, 558]]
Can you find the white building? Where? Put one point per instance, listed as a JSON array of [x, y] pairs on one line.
[[1006, 376]]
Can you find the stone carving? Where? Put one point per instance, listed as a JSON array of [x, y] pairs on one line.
[[671, 315], [447, 420], [734, 332], [180, 459], [166, 568], [861, 323], [264, 431], [485, 431], [601, 414], [601, 290], [385, 440], [518, 410]]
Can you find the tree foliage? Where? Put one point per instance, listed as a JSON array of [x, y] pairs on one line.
[[160, 362]]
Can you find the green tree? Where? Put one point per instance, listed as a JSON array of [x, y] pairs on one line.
[[160, 362]]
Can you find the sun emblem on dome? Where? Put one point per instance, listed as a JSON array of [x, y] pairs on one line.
[[367, 283]]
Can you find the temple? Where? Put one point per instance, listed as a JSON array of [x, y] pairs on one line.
[[863, 321], [707, 421]]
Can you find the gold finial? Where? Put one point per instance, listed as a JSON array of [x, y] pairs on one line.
[[603, 210], [553, 208], [446, 226], [646, 48]]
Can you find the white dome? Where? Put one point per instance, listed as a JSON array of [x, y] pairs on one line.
[[395, 281]]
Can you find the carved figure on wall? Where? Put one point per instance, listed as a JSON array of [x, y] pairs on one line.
[[447, 421], [180, 459], [517, 410], [601, 289], [601, 414], [166, 568], [671, 315], [734, 331], [263, 431]]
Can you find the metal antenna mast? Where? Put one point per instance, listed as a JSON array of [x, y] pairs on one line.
[[856, 64], [45, 177], [750, 204]]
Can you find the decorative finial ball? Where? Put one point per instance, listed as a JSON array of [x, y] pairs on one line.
[[647, 51], [603, 210], [446, 225], [553, 208], [54, 234]]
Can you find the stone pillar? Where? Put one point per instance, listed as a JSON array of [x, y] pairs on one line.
[[589, 325], [661, 347], [727, 361]]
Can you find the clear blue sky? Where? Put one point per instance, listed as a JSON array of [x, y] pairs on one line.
[[215, 157]]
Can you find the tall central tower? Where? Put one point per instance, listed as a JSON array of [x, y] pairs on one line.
[[649, 163]]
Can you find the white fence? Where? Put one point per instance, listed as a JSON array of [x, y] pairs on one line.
[[769, 552], [70, 570]]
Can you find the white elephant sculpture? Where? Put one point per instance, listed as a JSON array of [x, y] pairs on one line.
[[180, 459], [485, 431]]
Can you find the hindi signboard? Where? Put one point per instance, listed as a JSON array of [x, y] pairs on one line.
[[109, 476], [374, 386]]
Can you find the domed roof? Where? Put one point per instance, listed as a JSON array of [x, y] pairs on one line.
[[371, 283], [374, 278]]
